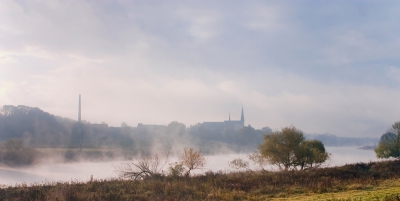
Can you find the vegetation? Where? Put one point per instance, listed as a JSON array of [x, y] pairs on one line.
[[40, 129], [331, 140], [239, 163], [192, 160], [146, 167], [13, 153], [389, 144], [311, 154], [375, 180], [288, 149], [151, 166], [145, 179]]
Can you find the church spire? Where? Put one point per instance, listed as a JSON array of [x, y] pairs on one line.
[[242, 117]]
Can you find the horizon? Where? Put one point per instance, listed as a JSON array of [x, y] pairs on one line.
[[187, 126], [329, 67]]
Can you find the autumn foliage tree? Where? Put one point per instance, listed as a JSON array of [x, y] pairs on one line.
[[288, 149], [191, 160]]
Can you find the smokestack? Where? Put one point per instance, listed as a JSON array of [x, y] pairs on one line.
[[80, 125], [79, 112]]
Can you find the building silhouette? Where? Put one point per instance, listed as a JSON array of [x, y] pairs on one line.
[[225, 125]]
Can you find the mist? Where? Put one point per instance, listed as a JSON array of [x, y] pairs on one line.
[[158, 77], [47, 143], [84, 171]]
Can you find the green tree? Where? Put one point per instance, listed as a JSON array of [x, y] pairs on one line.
[[311, 154], [288, 149], [389, 144], [279, 147]]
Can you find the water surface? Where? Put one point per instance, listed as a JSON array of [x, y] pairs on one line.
[[54, 172]]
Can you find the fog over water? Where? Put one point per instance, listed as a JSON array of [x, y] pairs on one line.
[[330, 69], [55, 172]]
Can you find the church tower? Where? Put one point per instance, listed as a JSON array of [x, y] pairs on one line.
[[242, 117]]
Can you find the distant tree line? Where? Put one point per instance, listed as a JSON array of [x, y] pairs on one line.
[[40, 129], [333, 140], [14, 153]]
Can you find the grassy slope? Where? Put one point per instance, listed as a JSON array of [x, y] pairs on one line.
[[387, 190]]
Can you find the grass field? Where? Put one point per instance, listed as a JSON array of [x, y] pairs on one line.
[[388, 190]]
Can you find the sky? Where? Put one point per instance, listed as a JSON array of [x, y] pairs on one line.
[[322, 66]]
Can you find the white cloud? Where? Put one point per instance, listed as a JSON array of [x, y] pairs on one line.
[[5, 59], [156, 63], [203, 25]]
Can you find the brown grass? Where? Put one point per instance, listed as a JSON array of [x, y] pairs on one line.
[[216, 185]]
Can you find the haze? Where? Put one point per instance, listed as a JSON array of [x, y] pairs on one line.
[[82, 171], [330, 66]]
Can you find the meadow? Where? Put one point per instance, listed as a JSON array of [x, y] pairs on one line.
[[359, 181]]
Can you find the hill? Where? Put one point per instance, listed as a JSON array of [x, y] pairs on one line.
[[38, 128]]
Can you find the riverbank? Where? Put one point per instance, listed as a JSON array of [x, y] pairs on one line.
[[55, 168], [369, 178]]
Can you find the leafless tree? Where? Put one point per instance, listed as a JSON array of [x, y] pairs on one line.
[[192, 160], [143, 168]]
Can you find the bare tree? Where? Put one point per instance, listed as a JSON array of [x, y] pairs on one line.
[[192, 160], [239, 163], [144, 168]]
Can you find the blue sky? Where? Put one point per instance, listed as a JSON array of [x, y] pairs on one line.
[[322, 66]]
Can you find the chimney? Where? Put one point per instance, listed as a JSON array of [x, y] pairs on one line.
[[79, 112]]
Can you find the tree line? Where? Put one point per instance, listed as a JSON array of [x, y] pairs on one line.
[[41, 129]]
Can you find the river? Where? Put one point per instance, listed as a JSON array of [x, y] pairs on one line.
[[63, 172]]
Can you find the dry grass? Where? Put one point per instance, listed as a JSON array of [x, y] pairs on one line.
[[328, 183]]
